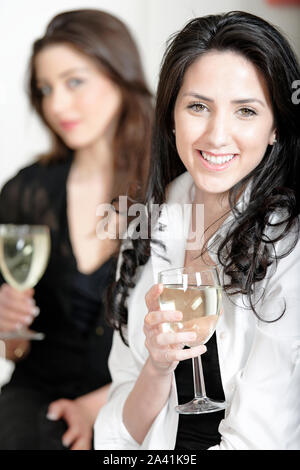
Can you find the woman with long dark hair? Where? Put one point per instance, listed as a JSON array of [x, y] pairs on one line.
[[87, 85], [226, 137]]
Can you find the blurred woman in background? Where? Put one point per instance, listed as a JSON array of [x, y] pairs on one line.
[[88, 87]]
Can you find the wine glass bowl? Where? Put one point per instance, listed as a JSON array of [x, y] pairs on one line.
[[198, 295], [24, 255], [199, 306]]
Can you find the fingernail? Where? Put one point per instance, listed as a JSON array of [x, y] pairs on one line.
[[28, 320], [52, 416], [178, 315], [35, 311], [191, 336], [66, 442]]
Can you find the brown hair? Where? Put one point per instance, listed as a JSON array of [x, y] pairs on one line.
[[106, 40]]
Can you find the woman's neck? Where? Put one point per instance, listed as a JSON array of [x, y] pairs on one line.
[[91, 161], [215, 210], [215, 205]]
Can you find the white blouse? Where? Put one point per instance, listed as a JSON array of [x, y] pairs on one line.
[[259, 361]]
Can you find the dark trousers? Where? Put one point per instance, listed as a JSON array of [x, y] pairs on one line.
[[23, 421]]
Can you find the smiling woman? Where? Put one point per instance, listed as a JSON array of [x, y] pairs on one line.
[[226, 136]]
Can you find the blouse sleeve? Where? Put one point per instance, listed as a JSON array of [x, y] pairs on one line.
[[265, 409], [124, 372], [25, 196], [10, 201]]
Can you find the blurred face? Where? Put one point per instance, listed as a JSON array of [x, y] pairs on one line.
[[79, 102], [223, 120]]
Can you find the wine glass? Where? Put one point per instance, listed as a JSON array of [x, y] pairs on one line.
[[24, 255], [196, 293]]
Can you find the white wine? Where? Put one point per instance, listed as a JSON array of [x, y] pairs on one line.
[[23, 259], [200, 307]]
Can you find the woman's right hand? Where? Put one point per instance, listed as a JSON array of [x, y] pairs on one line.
[[17, 309], [166, 348]]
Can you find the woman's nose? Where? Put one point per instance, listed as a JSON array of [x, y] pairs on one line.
[[59, 101], [218, 131]]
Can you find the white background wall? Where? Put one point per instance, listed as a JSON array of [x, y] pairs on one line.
[[151, 22]]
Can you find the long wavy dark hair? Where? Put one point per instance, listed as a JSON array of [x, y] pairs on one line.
[[246, 252], [107, 41]]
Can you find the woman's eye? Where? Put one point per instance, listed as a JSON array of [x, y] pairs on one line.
[[45, 90], [247, 112], [74, 82], [197, 107]]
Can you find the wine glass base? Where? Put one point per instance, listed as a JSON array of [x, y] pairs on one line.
[[200, 406], [23, 334]]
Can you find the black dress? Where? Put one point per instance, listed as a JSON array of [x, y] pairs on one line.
[[72, 359]]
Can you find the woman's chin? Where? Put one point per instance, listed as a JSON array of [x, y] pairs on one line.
[[75, 144]]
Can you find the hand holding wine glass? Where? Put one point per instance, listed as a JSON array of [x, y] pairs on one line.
[[166, 347], [24, 253], [197, 294], [17, 308]]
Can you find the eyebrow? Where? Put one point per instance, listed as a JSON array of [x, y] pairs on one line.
[[73, 70], [66, 73], [239, 101]]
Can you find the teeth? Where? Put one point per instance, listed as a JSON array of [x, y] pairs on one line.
[[217, 160]]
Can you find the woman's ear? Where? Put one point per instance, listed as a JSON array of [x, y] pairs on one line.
[[273, 138]]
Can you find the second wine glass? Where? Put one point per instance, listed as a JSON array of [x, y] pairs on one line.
[[24, 254], [198, 295]]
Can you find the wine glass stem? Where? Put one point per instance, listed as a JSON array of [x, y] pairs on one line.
[[199, 386]]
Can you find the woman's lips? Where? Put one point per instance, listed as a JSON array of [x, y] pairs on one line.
[[216, 166], [68, 125]]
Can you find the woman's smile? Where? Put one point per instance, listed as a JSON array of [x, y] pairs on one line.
[[216, 162]]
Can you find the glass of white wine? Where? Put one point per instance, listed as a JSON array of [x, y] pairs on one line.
[[24, 255], [198, 295]]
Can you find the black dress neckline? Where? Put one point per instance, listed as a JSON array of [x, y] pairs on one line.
[[65, 223]]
